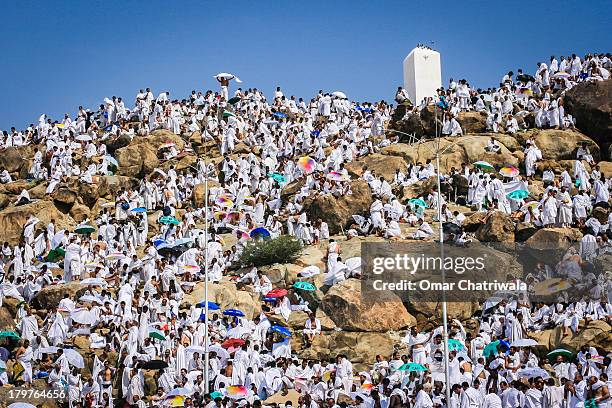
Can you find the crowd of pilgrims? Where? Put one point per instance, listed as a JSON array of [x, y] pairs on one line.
[[141, 320]]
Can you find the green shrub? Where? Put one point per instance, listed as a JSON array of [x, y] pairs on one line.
[[284, 249]]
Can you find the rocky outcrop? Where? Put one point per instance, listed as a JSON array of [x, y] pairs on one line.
[[16, 160], [199, 193], [349, 310], [595, 333], [12, 219], [359, 347], [591, 104], [382, 165], [424, 123], [337, 212], [552, 242], [49, 297], [558, 144], [140, 156], [456, 150], [497, 227], [137, 159]]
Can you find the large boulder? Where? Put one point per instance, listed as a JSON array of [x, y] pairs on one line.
[[64, 198], [595, 333], [359, 347], [49, 296], [12, 219], [591, 104], [346, 306], [471, 122], [198, 197], [454, 151], [558, 144], [17, 159], [552, 243], [385, 166], [338, 212], [606, 168], [137, 159], [497, 227]]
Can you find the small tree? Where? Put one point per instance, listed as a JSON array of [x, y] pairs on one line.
[[284, 249]]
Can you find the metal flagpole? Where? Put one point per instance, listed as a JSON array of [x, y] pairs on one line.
[[444, 314], [206, 339]]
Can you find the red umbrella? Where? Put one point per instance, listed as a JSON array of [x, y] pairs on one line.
[[232, 343], [277, 293]]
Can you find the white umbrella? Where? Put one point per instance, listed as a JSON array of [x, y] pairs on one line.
[[21, 405], [339, 94], [179, 391], [524, 343], [94, 265], [83, 138], [90, 299], [533, 372], [115, 256], [83, 316], [195, 349], [225, 75], [222, 353], [57, 239], [74, 358], [310, 271], [48, 350], [354, 264], [161, 172], [93, 281]]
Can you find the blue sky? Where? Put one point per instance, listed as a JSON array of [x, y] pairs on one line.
[[57, 55]]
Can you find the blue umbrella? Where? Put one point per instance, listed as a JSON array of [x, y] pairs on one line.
[[260, 233], [269, 299], [233, 312], [159, 242], [211, 305], [139, 210], [279, 115], [518, 194], [282, 330]]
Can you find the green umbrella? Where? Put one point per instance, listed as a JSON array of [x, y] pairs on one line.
[[9, 335], [234, 100], [518, 194], [156, 334], [413, 367], [227, 114], [305, 286], [418, 202], [491, 348], [484, 165], [84, 229], [560, 352], [215, 395], [455, 345], [169, 220], [55, 254]]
